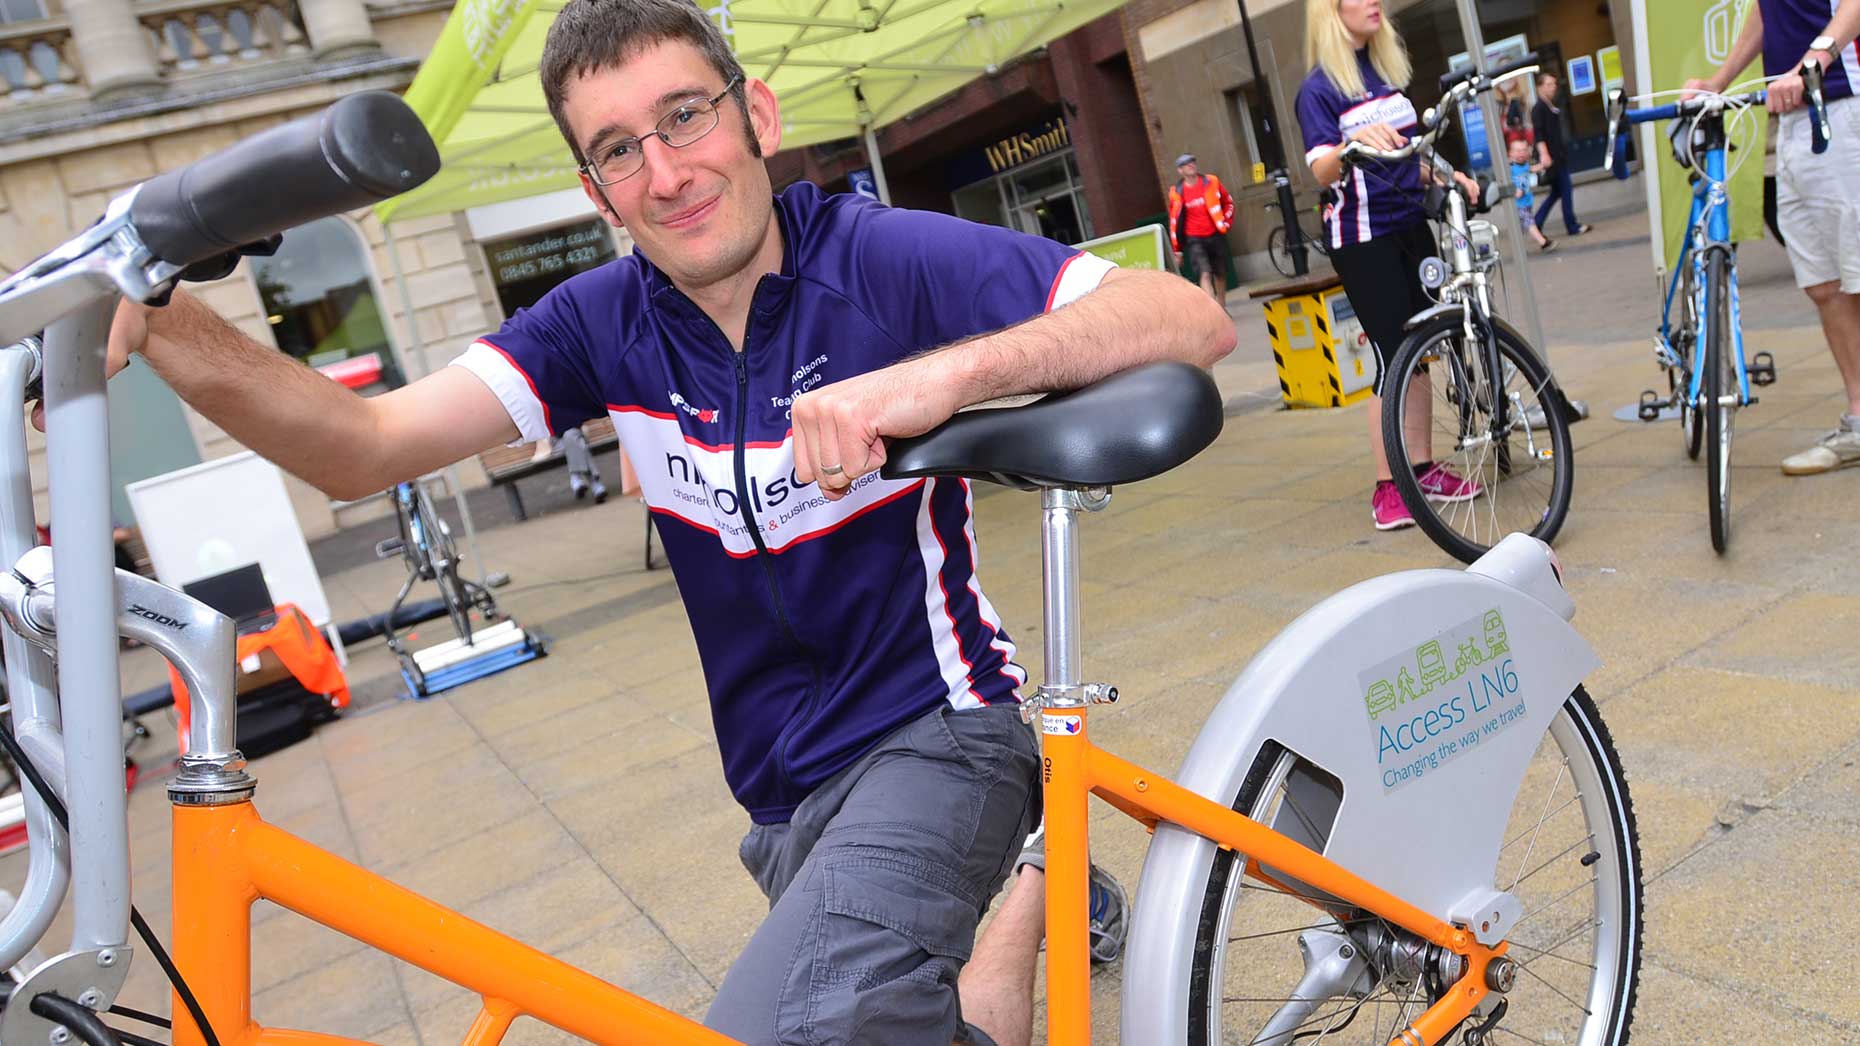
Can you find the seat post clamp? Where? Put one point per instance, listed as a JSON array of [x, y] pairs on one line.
[[1050, 696]]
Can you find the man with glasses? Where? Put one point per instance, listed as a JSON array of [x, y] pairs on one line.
[[754, 354]]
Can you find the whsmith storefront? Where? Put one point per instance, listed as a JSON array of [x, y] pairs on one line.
[[1042, 146]]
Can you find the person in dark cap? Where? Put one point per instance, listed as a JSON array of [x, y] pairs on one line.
[[1200, 213]]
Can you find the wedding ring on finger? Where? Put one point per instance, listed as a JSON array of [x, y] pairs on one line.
[[832, 470]]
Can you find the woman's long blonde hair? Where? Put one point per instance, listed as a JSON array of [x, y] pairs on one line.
[[1328, 46]]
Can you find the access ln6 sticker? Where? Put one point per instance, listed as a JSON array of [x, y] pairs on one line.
[[1061, 725], [1428, 706]]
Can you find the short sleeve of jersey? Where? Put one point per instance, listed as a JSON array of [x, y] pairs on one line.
[[537, 364], [1319, 106], [940, 279]]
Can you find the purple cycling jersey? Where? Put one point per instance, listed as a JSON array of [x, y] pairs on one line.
[[821, 625], [1788, 28], [1372, 197]]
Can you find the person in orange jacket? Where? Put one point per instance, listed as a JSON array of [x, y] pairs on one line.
[[1200, 213]]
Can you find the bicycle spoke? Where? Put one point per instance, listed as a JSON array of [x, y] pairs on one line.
[[1301, 929], [1567, 803], [1561, 771], [1520, 1035], [1551, 953], [1559, 899], [1587, 840], [1541, 980]]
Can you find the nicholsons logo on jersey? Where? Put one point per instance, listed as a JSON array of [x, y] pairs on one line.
[[704, 415], [1433, 703], [1392, 109]]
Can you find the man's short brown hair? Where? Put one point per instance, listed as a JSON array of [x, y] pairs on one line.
[[591, 36]]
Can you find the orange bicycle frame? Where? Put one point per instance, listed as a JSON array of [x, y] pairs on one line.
[[226, 857], [1073, 769]]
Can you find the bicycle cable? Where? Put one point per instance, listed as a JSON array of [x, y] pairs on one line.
[[80, 1020], [57, 807]]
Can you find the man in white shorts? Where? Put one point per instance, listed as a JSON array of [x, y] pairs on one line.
[[1817, 197]]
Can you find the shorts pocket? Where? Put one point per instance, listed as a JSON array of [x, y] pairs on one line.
[[928, 906], [892, 935]]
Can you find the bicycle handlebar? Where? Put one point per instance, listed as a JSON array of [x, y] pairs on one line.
[[361, 150], [1448, 81], [1619, 115], [1457, 86]]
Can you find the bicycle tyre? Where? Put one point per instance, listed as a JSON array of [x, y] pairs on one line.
[[1679, 383], [1468, 529], [1720, 384], [1277, 251], [1593, 768]]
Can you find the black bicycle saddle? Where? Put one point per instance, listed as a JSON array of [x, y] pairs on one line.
[[1130, 426]]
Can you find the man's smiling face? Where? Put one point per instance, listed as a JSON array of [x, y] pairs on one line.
[[702, 211]]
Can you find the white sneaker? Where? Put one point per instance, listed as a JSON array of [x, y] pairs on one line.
[[1836, 450]]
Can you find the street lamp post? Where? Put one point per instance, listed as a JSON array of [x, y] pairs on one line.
[[1274, 157]]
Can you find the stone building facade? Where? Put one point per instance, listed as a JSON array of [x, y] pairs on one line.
[[103, 94]]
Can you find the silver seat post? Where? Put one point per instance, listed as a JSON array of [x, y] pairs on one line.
[[1059, 556]]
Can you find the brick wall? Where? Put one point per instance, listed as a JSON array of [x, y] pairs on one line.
[[1092, 71], [1083, 75]]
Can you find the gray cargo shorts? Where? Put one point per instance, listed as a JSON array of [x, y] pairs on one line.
[[876, 885]]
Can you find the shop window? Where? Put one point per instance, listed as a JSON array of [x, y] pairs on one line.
[[524, 268], [1249, 120], [320, 300], [12, 11]]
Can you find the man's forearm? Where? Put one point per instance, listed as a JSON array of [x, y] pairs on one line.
[[313, 427], [1744, 50], [1134, 317], [1844, 27]]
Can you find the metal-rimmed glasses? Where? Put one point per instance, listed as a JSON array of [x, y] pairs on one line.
[[626, 157]]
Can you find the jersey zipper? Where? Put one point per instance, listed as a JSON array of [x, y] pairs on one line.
[[780, 748], [742, 501]]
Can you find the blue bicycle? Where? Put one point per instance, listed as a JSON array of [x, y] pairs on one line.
[[1700, 345]]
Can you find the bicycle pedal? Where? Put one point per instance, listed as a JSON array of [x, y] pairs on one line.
[[388, 548], [1762, 369], [1651, 405]]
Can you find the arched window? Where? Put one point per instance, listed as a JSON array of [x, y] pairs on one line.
[[320, 301]]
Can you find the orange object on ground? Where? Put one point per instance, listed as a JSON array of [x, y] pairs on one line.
[[298, 646]]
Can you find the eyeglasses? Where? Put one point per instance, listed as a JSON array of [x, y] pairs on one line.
[[680, 127]]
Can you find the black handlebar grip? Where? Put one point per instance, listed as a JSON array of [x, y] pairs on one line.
[[1506, 70], [1448, 81], [361, 150], [1818, 129]]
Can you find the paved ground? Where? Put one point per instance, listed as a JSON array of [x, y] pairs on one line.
[[577, 802]]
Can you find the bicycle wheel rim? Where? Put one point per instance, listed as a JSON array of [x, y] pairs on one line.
[[1524, 474], [1720, 387], [1578, 945], [445, 562], [1277, 250]]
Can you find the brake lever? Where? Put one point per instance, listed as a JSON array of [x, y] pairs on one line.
[[219, 266], [1820, 131]]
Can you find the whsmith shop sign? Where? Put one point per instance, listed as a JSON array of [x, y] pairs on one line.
[[1047, 138]]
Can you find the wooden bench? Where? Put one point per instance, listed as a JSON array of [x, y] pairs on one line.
[[506, 465]]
